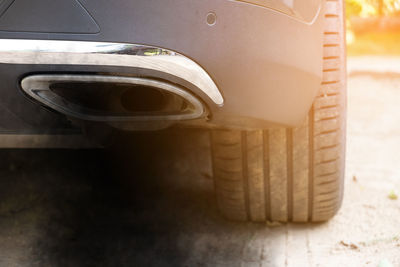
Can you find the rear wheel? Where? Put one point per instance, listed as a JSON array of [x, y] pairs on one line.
[[291, 174]]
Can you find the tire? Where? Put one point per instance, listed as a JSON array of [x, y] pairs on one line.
[[290, 174]]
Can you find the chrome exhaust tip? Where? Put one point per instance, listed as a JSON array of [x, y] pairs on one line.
[[115, 99], [84, 53]]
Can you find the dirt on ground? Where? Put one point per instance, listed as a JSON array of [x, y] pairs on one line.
[[152, 203]]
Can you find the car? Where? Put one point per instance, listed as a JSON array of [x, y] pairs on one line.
[[267, 79]]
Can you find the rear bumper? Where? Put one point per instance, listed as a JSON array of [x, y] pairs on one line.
[[265, 65]]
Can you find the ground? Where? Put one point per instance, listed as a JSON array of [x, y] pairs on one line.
[[155, 207]]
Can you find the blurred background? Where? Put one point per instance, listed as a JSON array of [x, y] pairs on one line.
[[373, 27]]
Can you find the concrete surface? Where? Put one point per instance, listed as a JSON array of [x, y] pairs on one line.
[[374, 64], [156, 207]]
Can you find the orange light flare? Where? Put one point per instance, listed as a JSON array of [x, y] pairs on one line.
[[373, 26]]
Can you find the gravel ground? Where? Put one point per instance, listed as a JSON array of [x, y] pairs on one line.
[[155, 207]]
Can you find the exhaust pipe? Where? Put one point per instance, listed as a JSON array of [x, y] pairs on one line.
[[113, 98], [84, 53]]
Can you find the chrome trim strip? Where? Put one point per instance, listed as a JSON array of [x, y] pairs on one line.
[[38, 87], [20, 51]]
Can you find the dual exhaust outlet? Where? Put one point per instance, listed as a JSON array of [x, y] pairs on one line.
[[111, 98]]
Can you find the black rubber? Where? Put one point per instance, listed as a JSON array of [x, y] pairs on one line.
[[290, 174]]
